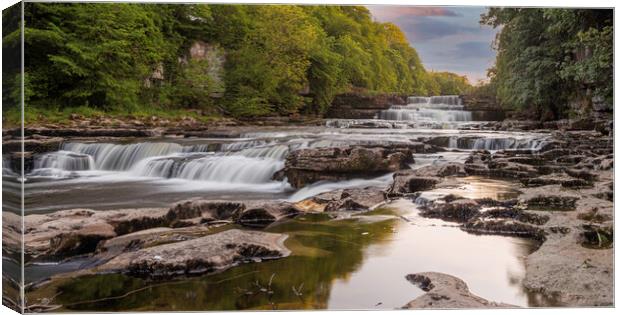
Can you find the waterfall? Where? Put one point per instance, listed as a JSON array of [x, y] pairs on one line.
[[238, 162], [215, 168], [492, 144], [447, 108], [276, 152], [121, 157], [443, 99], [6, 167], [65, 160], [231, 169], [425, 114]]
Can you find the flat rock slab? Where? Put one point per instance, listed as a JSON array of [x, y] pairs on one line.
[[78, 231], [446, 291], [570, 274], [200, 255], [110, 248]]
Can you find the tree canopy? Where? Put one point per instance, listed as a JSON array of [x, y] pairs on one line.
[[278, 59], [550, 61]]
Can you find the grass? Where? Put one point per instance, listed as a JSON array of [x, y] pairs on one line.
[[35, 116]]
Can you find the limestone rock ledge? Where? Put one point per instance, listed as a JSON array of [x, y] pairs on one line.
[[446, 291]]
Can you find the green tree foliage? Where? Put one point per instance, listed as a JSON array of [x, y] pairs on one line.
[[447, 83], [279, 59], [549, 58]]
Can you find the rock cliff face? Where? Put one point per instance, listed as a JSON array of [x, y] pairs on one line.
[[357, 106], [215, 57]]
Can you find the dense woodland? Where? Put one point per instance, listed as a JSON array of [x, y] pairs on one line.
[[278, 59], [123, 58], [552, 63]]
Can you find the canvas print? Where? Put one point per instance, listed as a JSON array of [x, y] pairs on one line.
[[209, 157]]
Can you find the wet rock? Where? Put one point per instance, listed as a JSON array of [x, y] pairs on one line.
[[200, 255], [41, 145], [78, 231], [597, 237], [482, 225], [424, 178], [515, 214], [207, 210], [554, 154], [78, 243], [355, 199], [555, 179], [445, 291], [311, 165], [358, 199], [594, 216], [15, 162], [489, 202], [260, 214], [91, 132], [460, 210], [483, 164], [551, 202], [581, 174], [570, 159], [410, 182]]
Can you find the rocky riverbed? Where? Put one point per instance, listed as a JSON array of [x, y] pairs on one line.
[[158, 207]]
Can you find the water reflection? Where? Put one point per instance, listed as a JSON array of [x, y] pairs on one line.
[[355, 263]]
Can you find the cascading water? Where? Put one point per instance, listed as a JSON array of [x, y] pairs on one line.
[[447, 108], [247, 162], [65, 160], [118, 157], [6, 167], [492, 144], [250, 166], [230, 169]]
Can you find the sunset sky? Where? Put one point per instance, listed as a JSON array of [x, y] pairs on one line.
[[447, 38]]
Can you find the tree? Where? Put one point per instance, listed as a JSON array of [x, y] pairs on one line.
[[549, 58]]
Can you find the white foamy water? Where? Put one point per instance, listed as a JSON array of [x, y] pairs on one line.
[[494, 144], [446, 108], [325, 186]]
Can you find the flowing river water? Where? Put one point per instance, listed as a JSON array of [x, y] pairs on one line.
[[354, 261]]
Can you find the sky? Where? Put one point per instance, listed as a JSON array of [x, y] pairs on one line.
[[446, 38]]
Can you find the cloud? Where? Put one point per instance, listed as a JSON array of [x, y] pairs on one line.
[[424, 28], [388, 13], [473, 49]]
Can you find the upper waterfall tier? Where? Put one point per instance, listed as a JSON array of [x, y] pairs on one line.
[[443, 99], [447, 108]]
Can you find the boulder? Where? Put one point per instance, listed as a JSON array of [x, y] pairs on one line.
[[424, 178], [307, 166], [259, 214], [355, 199]]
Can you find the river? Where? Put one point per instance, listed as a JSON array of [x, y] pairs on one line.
[[352, 261]]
